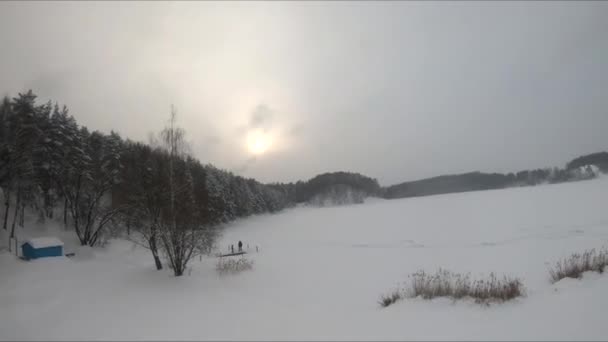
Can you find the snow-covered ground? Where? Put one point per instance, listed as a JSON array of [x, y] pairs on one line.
[[320, 272]]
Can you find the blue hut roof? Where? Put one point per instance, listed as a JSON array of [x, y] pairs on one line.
[[44, 242]]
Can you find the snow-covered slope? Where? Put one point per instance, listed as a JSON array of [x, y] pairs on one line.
[[320, 271]]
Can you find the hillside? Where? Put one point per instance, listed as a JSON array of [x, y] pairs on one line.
[[581, 168], [448, 184]]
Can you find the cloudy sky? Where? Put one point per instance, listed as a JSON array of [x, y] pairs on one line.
[[282, 91]]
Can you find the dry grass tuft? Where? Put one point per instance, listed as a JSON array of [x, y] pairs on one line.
[[447, 284], [391, 298], [233, 266], [457, 286], [575, 265]]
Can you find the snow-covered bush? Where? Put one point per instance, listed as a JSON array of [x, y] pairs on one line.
[[584, 172], [233, 266], [444, 283], [575, 265]]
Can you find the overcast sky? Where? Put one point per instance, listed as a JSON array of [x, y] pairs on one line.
[[395, 90]]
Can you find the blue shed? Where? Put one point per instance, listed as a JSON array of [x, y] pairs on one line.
[[42, 248]]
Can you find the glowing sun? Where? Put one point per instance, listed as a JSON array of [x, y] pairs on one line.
[[258, 142]]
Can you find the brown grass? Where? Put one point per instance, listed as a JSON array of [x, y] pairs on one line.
[[457, 286], [443, 283], [575, 265]]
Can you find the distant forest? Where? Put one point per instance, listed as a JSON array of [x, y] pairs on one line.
[[581, 168], [98, 184]]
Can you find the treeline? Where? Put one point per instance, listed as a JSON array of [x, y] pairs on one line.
[[98, 183], [336, 188], [101, 184], [585, 167]]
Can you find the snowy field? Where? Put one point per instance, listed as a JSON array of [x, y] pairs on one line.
[[320, 272]]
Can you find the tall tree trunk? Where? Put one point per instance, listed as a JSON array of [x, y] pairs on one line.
[[48, 206], [65, 213], [22, 216], [172, 154], [154, 250], [41, 211], [15, 214], [48, 212], [159, 265], [7, 205]]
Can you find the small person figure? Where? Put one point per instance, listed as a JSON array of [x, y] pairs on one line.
[[232, 248], [240, 246]]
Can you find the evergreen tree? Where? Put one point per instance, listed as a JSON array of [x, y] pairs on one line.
[[27, 134]]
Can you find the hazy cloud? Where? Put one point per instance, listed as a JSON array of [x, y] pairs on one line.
[[261, 117], [213, 140], [296, 130], [395, 90]]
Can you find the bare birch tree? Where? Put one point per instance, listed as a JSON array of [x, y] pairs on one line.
[[183, 233]]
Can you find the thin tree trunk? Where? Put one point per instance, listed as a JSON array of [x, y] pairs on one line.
[[48, 206], [41, 212], [15, 214], [65, 212], [7, 205], [154, 249], [22, 216], [173, 149], [159, 265]]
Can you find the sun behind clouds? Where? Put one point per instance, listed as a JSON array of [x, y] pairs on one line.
[[258, 142]]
